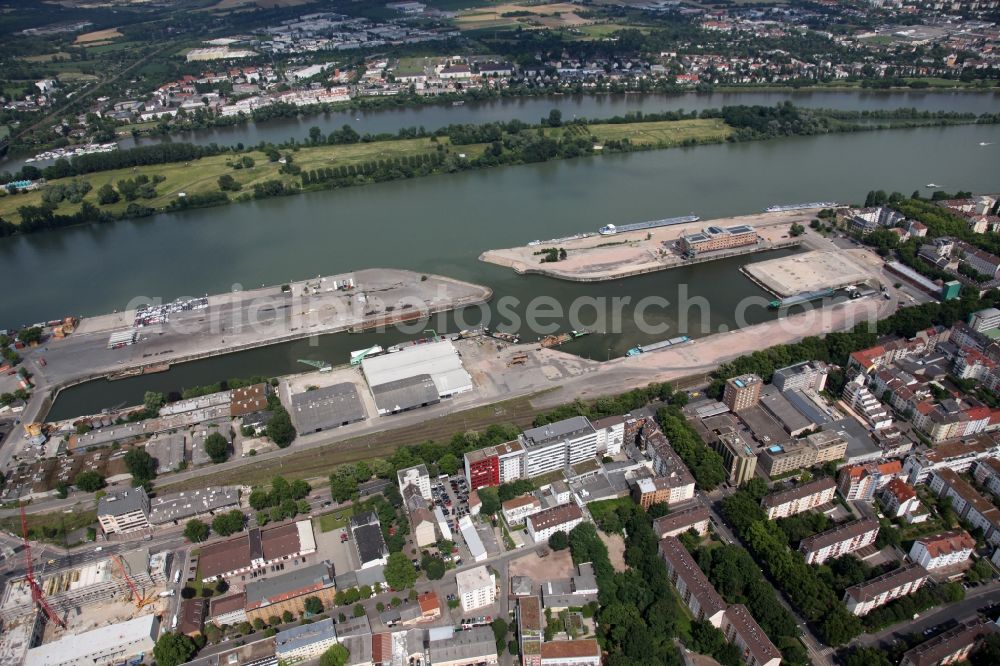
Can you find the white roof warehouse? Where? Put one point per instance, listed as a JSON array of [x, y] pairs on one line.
[[438, 360]]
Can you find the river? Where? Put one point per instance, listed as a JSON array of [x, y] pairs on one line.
[[441, 224], [531, 109]]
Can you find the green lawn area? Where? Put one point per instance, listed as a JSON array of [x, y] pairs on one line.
[[602, 508], [665, 133], [202, 175], [329, 522], [51, 527], [601, 30]]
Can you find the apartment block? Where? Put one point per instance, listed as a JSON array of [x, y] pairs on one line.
[[816, 449], [968, 503], [738, 456], [860, 399], [801, 498], [476, 588], [841, 540], [861, 482], [667, 464], [741, 630], [610, 435], [529, 630], [943, 549], [956, 456], [693, 587], [494, 465], [676, 523], [809, 375], [865, 597], [516, 510], [742, 392], [952, 646], [986, 472], [900, 501], [984, 320], [415, 476], [562, 518], [124, 511], [554, 446]]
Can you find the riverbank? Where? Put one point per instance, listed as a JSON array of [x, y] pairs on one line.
[[342, 161], [597, 258]]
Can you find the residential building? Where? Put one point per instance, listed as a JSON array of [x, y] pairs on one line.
[[950, 647], [900, 501], [256, 549], [110, 644], [805, 376], [304, 642], [984, 320], [265, 597], [367, 532], [693, 587], [956, 456], [860, 399], [248, 400], [494, 465], [738, 456], [741, 630], [865, 597], [462, 648], [841, 540], [476, 588], [968, 503], [667, 464], [415, 476], [124, 511], [742, 392], [515, 511], [674, 524], [529, 630], [715, 238], [978, 260], [562, 518], [801, 498], [554, 446], [610, 435], [579, 652], [864, 221], [987, 473], [943, 549], [861, 482], [230, 609], [191, 616], [423, 522], [815, 449]]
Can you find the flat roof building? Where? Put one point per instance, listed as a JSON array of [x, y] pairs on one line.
[[327, 407], [801, 498], [808, 375], [579, 652], [461, 648], [742, 392], [124, 511], [553, 446], [113, 643], [257, 549], [190, 503], [739, 457], [368, 539], [691, 583], [405, 394], [863, 598], [437, 360], [308, 641], [476, 588], [841, 540]]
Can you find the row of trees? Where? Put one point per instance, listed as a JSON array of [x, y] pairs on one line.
[[706, 465], [283, 500]]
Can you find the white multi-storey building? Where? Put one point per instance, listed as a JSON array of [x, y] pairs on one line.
[[415, 476], [516, 510], [562, 518], [865, 597], [554, 446], [943, 549], [795, 500], [124, 511], [841, 540], [476, 588], [610, 435]]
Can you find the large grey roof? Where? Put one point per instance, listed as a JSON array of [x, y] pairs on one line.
[[327, 407], [262, 589], [122, 502], [560, 430], [404, 394]]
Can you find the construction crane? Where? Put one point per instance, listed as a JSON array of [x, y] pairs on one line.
[[322, 366], [36, 591], [140, 601]]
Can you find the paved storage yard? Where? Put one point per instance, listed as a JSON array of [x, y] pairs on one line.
[[809, 271]]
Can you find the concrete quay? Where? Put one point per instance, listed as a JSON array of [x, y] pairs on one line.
[[594, 258]]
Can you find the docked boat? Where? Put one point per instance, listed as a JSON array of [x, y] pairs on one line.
[[799, 299], [657, 346], [611, 229], [781, 208], [932, 185]]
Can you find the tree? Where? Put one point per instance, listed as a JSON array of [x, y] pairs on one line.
[[107, 195], [216, 447], [335, 656], [228, 523], [140, 465], [152, 401], [173, 649], [448, 464], [287, 617], [555, 118], [32, 335], [434, 567], [342, 486], [195, 531], [987, 654], [228, 183], [313, 605], [559, 540], [867, 656], [490, 501], [258, 623], [499, 627], [62, 490], [400, 572], [89, 481], [359, 610], [280, 429]]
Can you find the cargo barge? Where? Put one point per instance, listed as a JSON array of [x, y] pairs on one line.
[[611, 229], [798, 299], [657, 346], [556, 340], [782, 208]]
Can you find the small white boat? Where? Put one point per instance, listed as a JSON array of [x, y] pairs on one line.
[[985, 143], [931, 185]]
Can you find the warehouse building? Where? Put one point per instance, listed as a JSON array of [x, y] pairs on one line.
[[367, 533], [256, 549], [327, 407], [415, 376], [273, 596], [715, 238], [192, 503], [114, 643], [124, 511]]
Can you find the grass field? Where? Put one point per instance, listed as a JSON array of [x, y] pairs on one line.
[[51, 527], [601, 30], [329, 522], [48, 57], [665, 133], [98, 36], [202, 175], [318, 463]]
